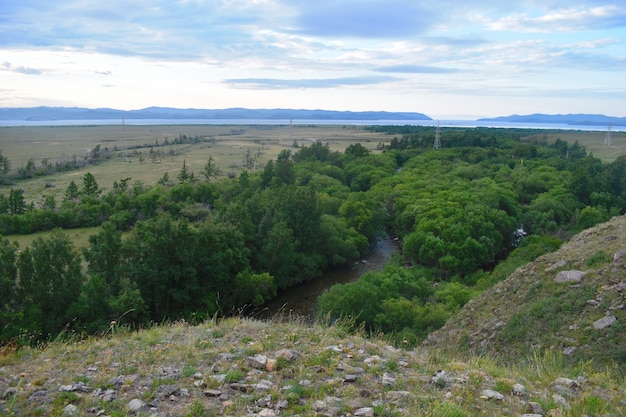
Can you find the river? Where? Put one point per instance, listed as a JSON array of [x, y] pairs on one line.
[[301, 300]]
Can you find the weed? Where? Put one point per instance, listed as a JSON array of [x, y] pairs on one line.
[[547, 364], [503, 386], [392, 365], [10, 411], [234, 375], [448, 409], [598, 258], [188, 370], [197, 410]]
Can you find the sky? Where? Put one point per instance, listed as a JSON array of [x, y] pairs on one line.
[[448, 59]]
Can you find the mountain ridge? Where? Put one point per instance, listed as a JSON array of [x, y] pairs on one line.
[[44, 113], [570, 119]]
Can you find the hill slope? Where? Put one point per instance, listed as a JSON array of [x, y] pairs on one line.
[[240, 367], [244, 367], [572, 301]]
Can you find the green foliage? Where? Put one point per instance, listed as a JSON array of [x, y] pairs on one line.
[[454, 209], [50, 281]]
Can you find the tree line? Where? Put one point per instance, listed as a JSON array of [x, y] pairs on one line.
[[202, 247]]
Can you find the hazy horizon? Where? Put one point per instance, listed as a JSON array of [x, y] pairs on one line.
[[449, 60]]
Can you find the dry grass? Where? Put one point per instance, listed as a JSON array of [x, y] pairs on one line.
[[593, 141], [228, 147]]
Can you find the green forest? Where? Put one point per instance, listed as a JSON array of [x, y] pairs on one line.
[[193, 247]]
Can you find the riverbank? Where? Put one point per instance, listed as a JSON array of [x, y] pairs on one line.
[[301, 300]]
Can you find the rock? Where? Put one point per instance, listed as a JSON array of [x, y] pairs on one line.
[[364, 412], [107, 395], [396, 396], [241, 387], [78, 386], [535, 408], [117, 381], [388, 379], [350, 378], [270, 365], [135, 405], [318, 405], [569, 350], [491, 395], [604, 322], [349, 368], [212, 393], [619, 254], [519, 391], [218, 378], [168, 390], [531, 415], [266, 412], [569, 276], [263, 385], [556, 265], [257, 361], [289, 354], [441, 379], [226, 357], [70, 410], [559, 399], [372, 360]]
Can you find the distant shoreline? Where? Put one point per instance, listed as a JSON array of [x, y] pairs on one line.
[[307, 122]]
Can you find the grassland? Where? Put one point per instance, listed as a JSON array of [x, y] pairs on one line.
[[130, 147], [592, 141]]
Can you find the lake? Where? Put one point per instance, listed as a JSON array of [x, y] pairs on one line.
[[442, 123]]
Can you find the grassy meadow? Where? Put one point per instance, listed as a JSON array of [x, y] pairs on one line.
[[228, 145], [592, 140]]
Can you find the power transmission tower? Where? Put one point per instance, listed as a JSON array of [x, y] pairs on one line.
[[608, 139], [125, 154], [437, 144]]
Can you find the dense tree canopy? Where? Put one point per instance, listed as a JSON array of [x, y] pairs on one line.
[[197, 248]]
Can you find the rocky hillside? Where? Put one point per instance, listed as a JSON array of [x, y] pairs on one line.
[[241, 367], [558, 321], [571, 301]]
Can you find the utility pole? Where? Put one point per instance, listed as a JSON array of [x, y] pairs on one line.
[[437, 144], [608, 139]]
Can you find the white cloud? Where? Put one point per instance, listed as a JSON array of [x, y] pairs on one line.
[[564, 20], [395, 55]]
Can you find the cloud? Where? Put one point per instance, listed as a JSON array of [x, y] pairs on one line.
[[415, 69], [277, 83], [565, 20], [364, 19], [7, 66]]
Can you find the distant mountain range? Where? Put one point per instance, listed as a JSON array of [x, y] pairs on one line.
[[76, 113], [568, 119], [168, 113]]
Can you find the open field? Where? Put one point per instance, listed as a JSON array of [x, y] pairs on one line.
[[130, 146], [133, 148], [593, 141]]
